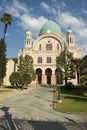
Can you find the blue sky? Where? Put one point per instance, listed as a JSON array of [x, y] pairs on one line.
[[32, 14]]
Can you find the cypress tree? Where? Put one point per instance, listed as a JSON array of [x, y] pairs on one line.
[[2, 60]]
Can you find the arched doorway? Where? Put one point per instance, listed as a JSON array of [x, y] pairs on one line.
[[48, 72], [39, 75]]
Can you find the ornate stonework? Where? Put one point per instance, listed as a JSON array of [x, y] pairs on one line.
[[45, 49]]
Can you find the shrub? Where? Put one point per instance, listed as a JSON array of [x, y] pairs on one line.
[[70, 85], [83, 80], [19, 80]]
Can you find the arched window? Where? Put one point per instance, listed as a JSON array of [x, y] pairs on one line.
[[39, 59], [57, 46], [27, 41], [48, 59], [49, 47], [70, 40], [40, 47]]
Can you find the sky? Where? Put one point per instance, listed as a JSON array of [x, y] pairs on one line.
[[32, 14]]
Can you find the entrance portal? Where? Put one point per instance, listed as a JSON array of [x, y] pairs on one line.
[[48, 79], [39, 76], [39, 79], [48, 73]]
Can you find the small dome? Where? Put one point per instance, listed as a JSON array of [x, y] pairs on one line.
[[69, 31], [50, 26], [28, 33]]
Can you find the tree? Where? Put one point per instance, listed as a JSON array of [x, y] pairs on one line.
[[15, 63], [84, 65], [2, 60], [15, 79], [25, 79], [19, 80], [26, 67], [25, 73], [15, 60], [7, 20], [64, 61], [78, 64], [84, 80]]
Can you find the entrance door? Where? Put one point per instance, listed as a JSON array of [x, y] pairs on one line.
[[48, 73], [48, 79], [39, 76], [39, 79]]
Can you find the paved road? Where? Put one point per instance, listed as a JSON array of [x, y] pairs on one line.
[[33, 110]]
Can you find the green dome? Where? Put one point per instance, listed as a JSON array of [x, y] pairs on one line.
[[50, 25], [69, 31], [28, 33]]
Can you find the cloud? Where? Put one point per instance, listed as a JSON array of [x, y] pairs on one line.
[[45, 6], [63, 4], [16, 9], [66, 20], [32, 23], [25, 19], [84, 11], [78, 25]]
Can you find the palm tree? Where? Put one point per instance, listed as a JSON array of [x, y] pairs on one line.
[[7, 20]]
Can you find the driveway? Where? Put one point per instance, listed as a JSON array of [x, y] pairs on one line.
[[33, 110]]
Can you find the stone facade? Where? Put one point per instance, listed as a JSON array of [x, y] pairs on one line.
[[45, 49], [9, 70]]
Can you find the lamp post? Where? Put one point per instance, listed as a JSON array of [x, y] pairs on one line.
[[59, 99]]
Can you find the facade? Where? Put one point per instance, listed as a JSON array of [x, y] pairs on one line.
[[45, 49], [9, 69]]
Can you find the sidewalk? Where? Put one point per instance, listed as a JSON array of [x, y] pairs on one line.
[[13, 92]]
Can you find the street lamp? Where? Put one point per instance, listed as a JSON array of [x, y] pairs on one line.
[[59, 99]]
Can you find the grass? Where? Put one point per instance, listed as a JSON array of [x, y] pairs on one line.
[[72, 102], [4, 90]]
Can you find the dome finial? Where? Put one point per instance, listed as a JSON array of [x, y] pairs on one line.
[[28, 32], [69, 31]]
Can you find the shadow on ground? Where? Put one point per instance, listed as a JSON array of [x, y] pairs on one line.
[[7, 123], [76, 98]]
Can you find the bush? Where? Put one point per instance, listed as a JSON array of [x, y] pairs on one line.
[[14, 78], [19, 80], [70, 85], [83, 80]]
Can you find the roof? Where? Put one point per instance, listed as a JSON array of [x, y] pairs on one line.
[[28, 33], [69, 31], [50, 26]]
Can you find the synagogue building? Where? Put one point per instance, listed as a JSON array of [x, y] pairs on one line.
[[46, 48]]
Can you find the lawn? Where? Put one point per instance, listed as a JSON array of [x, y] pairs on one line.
[[72, 101], [4, 90]]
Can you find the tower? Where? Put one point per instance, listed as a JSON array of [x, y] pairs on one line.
[[69, 38], [28, 40]]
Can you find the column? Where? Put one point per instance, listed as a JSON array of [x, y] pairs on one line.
[[44, 79], [53, 79], [36, 79]]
